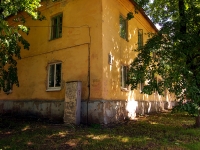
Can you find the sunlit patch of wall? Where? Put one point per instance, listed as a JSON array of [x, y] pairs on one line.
[[122, 50], [132, 105]]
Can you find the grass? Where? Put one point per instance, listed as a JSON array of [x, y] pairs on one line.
[[164, 131]]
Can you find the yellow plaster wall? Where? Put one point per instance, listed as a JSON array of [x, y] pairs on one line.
[[82, 29], [121, 50], [90, 28]]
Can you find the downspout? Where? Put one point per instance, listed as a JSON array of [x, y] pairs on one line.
[[88, 99]]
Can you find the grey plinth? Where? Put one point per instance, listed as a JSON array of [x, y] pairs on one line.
[[72, 104]]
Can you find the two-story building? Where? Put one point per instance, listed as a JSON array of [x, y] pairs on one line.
[[82, 40]]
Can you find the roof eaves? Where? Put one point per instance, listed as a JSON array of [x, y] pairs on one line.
[[141, 10]]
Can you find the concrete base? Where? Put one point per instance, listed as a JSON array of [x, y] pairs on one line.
[[105, 111], [51, 110], [99, 111]]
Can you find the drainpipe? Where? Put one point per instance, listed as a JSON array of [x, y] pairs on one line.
[[88, 99]]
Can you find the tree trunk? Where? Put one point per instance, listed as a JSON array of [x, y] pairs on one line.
[[197, 121], [182, 16]]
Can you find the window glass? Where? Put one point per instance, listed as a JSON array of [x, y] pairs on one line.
[[140, 38], [58, 75], [60, 26], [56, 30], [123, 27], [124, 70], [141, 86], [51, 75], [54, 76]]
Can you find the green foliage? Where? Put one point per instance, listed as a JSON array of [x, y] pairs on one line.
[[172, 54], [11, 39], [129, 16]]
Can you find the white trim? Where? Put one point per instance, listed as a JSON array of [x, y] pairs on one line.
[[53, 89], [125, 89]]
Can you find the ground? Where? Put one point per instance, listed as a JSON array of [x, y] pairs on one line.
[[165, 131]]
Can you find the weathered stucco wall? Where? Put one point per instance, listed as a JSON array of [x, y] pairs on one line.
[[90, 31], [79, 50], [96, 111], [114, 111], [81, 37], [45, 109]]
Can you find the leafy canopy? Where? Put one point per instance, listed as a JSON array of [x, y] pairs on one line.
[[10, 38], [172, 54]]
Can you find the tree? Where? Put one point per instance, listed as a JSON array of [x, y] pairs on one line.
[[10, 38], [173, 53]]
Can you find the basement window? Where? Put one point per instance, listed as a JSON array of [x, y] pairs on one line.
[[56, 26], [54, 76]]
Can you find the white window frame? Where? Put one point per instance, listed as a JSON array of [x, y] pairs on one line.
[[54, 88]]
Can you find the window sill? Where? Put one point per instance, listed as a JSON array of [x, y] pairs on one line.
[[52, 39], [55, 89], [8, 92], [125, 89], [126, 39]]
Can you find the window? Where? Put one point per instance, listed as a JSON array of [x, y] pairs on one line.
[[124, 71], [140, 38], [56, 29], [7, 87], [123, 27], [141, 86], [54, 76]]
